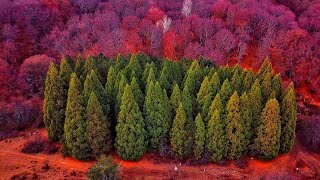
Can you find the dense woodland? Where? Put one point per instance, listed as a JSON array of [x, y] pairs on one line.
[[35, 32], [136, 104]]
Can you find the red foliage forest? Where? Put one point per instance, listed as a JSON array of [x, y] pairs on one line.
[[35, 32]]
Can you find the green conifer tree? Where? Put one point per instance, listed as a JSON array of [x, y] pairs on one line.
[[246, 119], [179, 133], [255, 100], [277, 85], [138, 95], [175, 99], [235, 137], [288, 120], [75, 127], [200, 137], [269, 131], [99, 134], [215, 137], [225, 92], [266, 87], [79, 66], [214, 85], [133, 66], [215, 105], [54, 105], [237, 81], [248, 80], [131, 135], [122, 84], [156, 124], [203, 97]]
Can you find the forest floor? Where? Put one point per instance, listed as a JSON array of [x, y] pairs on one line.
[[297, 164]]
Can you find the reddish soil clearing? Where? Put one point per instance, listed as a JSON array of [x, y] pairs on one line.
[[298, 164]]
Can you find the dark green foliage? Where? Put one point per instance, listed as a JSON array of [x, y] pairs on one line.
[[288, 119], [200, 137], [215, 105], [111, 94], [179, 140], [79, 66], [131, 135], [91, 116], [215, 137], [92, 83], [187, 102], [277, 85], [266, 87], [137, 93], [255, 100], [236, 82], [214, 85], [264, 69], [235, 137], [99, 134], [269, 131], [87, 68], [54, 104], [248, 80], [175, 99], [246, 119], [156, 124], [225, 92], [105, 168], [145, 75], [203, 97], [75, 127], [122, 83], [133, 66]]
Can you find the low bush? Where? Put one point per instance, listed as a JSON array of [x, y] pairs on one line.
[[32, 147], [105, 168]]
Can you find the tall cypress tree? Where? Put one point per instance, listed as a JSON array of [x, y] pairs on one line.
[[216, 137], [269, 131], [248, 80], [236, 82], [215, 105], [131, 135], [264, 69], [246, 119], [179, 140], [200, 137], [133, 66], [99, 134], [235, 137], [88, 66], [203, 97], [168, 116], [288, 120], [79, 66], [122, 83], [225, 92], [187, 102], [214, 85], [75, 127], [138, 95], [266, 87], [111, 94], [255, 100], [145, 75], [156, 124], [151, 78], [54, 104], [92, 83], [277, 85], [175, 99]]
